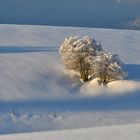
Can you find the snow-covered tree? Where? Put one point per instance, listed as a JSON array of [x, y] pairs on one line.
[[87, 57], [78, 54], [107, 67]]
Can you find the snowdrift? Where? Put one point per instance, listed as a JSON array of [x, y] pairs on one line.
[[115, 88]]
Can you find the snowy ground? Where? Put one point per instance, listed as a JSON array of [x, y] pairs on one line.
[[38, 94], [122, 132]]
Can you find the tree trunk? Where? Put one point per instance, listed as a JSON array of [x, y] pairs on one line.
[[103, 79], [84, 76]]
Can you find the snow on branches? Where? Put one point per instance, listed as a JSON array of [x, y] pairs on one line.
[[86, 56], [107, 67]]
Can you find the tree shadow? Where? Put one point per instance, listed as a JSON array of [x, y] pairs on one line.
[[133, 71], [27, 49], [100, 103]]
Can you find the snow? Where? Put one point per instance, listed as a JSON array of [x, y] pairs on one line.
[[38, 94], [28, 52], [114, 88], [125, 132]]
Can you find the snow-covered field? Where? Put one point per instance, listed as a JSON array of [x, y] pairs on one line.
[[38, 94], [123, 132]]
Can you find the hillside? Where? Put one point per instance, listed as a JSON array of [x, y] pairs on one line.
[[125, 132], [38, 94], [90, 13]]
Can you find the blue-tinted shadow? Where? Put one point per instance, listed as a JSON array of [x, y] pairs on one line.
[[27, 49], [133, 71]]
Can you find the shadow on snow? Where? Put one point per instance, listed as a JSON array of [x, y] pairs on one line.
[[26, 49], [133, 71], [84, 104]]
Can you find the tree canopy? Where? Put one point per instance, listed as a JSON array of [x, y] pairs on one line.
[[87, 57]]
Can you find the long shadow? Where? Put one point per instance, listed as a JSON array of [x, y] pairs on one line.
[[133, 71], [115, 103], [27, 49]]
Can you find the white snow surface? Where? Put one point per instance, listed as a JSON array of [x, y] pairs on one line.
[[38, 94], [98, 133]]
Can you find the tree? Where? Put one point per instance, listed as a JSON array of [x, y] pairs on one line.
[[78, 54], [107, 67], [87, 57]]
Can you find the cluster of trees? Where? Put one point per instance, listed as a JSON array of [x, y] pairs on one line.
[[87, 57]]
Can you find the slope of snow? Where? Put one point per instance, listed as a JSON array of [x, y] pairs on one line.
[[120, 132], [27, 53], [38, 94]]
